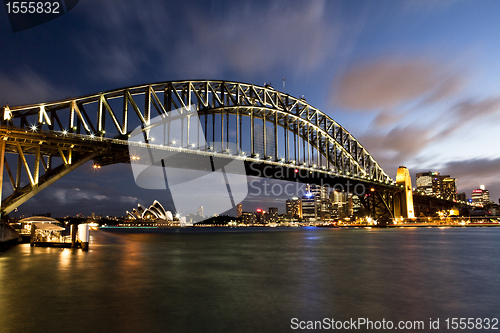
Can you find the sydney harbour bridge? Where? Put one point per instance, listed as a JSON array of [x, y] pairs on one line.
[[267, 129]]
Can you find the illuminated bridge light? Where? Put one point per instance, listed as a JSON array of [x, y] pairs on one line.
[[96, 166], [33, 127], [91, 135]]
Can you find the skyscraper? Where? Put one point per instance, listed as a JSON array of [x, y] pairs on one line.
[[294, 208], [481, 196], [434, 183], [319, 195], [339, 207], [309, 211], [273, 214]]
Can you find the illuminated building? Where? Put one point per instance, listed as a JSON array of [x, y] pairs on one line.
[[448, 188], [316, 203], [434, 183], [339, 207], [272, 214], [424, 181], [154, 212], [294, 208], [248, 218], [239, 210], [481, 196], [200, 211], [404, 203], [309, 211], [261, 216]]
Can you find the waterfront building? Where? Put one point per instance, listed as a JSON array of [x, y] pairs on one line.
[[294, 208], [261, 216], [272, 215], [339, 204], [316, 203], [424, 181], [248, 218], [434, 183], [309, 211], [480, 196], [154, 212], [239, 210], [448, 188]]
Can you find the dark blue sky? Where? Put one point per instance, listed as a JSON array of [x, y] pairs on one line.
[[415, 81]]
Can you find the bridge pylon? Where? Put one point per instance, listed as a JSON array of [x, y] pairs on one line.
[[403, 201]]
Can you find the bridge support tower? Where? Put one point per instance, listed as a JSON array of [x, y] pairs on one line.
[[403, 201]]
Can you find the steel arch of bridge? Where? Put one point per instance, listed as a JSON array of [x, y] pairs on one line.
[[274, 127]]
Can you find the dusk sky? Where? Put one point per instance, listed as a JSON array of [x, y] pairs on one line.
[[416, 82]]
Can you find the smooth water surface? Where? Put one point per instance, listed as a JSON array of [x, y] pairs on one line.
[[249, 280]]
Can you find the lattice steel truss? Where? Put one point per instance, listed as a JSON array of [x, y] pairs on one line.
[[260, 122]]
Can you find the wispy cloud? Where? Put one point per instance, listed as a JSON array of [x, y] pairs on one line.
[[417, 101], [255, 38], [398, 146], [390, 82], [246, 38], [27, 87], [70, 196], [464, 112]]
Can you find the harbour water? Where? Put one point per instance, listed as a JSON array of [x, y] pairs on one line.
[[250, 280]]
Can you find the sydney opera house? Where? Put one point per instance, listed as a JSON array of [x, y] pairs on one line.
[[153, 213]]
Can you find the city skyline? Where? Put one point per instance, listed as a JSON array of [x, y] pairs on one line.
[[415, 82]]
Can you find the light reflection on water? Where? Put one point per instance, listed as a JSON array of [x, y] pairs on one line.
[[249, 280]]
